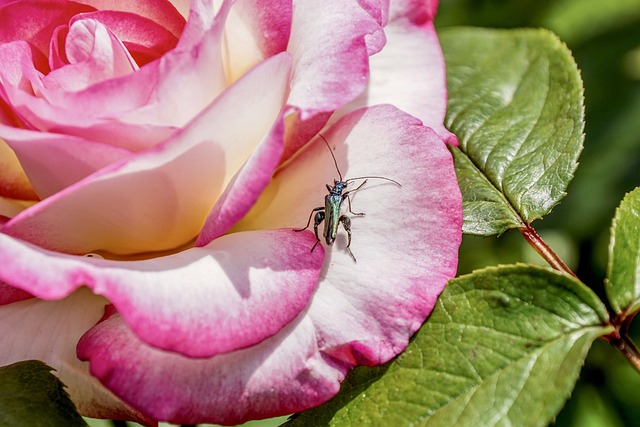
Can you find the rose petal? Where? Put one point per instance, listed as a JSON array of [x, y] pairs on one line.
[[406, 245], [19, 63], [49, 331], [12, 207], [255, 30], [195, 66], [165, 13], [138, 110], [269, 21], [54, 162], [9, 294], [181, 178], [299, 132], [233, 293], [57, 55], [378, 10], [410, 71], [144, 38], [418, 11], [13, 181], [35, 21], [94, 53], [75, 113], [281, 375], [245, 187], [329, 52], [330, 43]]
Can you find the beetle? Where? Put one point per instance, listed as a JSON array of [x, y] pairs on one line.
[[330, 212]]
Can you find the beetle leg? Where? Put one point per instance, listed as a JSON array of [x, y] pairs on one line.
[[358, 187], [321, 208], [346, 223], [350, 211], [319, 218], [346, 196]]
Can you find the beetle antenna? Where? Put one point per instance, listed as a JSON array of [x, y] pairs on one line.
[[335, 162], [375, 177]]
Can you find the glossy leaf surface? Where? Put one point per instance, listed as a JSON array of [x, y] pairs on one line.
[[31, 396], [516, 104], [504, 346]]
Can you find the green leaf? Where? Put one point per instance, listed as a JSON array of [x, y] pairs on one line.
[[623, 273], [31, 396], [486, 211], [515, 103], [503, 347]]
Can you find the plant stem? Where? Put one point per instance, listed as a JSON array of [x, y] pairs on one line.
[[544, 250], [619, 338], [622, 342]]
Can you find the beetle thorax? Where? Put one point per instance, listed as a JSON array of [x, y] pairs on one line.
[[338, 187]]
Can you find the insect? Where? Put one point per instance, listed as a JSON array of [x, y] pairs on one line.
[[330, 212]]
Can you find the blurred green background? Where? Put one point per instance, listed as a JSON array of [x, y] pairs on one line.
[[604, 37]]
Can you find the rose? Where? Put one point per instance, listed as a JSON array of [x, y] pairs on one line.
[[129, 160], [179, 143]]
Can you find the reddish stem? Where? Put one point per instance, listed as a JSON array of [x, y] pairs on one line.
[[619, 339], [544, 250]]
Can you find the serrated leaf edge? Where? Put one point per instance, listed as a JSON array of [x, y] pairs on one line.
[[557, 44], [537, 353], [634, 307], [515, 213]]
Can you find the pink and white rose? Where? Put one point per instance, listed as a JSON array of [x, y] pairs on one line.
[[155, 156]]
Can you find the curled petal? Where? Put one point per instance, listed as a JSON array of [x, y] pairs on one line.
[[245, 187], [176, 183], [95, 54], [269, 22], [333, 69], [165, 13], [195, 66], [281, 375], [410, 71], [55, 161], [233, 293], [9, 294], [330, 44], [85, 114], [144, 38], [13, 181], [35, 21], [255, 30], [137, 110], [49, 331]]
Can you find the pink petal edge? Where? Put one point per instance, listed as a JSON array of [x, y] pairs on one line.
[[414, 82], [245, 187], [329, 70], [233, 293], [49, 331], [279, 376]]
